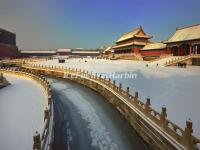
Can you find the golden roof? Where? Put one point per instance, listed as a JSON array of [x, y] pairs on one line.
[[185, 34], [138, 33]]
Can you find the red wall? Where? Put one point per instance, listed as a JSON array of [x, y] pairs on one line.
[[8, 51], [136, 50], [153, 52]]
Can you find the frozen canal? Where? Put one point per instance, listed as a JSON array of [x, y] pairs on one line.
[[177, 89], [21, 113], [88, 121]]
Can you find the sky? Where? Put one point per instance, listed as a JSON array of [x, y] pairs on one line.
[[51, 24]]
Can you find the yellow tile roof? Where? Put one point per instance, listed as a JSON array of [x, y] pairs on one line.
[[152, 46], [132, 34], [185, 34]]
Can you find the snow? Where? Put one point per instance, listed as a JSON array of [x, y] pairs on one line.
[[21, 113], [176, 88]]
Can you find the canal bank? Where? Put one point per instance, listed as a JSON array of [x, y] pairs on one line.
[[87, 121]]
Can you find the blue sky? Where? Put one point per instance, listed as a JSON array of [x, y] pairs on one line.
[[50, 24]]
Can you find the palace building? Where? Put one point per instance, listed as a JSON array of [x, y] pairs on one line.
[[132, 42], [185, 41]]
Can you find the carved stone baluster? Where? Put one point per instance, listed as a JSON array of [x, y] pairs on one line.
[[36, 141], [187, 137], [163, 118], [148, 106]]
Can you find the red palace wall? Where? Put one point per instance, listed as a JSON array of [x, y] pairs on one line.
[[136, 50], [156, 53], [8, 51]]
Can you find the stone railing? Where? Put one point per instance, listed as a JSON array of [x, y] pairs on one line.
[[130, 56], [44, 140], [162, 56], [23, 60], [180, 59], [154, 127]]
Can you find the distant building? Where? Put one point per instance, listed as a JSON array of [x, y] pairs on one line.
[[185, 41], [60, 52], [84, 53], [38, 53], [64, 51], [8, 48], [132, 42]]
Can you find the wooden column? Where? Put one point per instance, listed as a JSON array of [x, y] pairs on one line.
[[190, 49]]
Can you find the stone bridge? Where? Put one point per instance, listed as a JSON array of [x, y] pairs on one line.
[[154, 127]]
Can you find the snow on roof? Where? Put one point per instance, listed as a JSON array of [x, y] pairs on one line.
[[138, 32], [64, 50], [37, 51], [152, 46], [185, 34]]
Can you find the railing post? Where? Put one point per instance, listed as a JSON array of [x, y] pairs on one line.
[[147, 106], [95, 75], [36, 141], [187, 137], [46, 114], [1, 77], [120, 86], [136, 96], [163, 118], [127, 90], [114, 82]]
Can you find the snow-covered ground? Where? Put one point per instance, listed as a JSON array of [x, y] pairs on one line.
[[21, 113], [176, 88]]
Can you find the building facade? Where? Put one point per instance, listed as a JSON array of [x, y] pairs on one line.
[[185, 41], [8, 48]]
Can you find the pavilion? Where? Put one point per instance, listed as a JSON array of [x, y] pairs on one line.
[[131, 42]]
